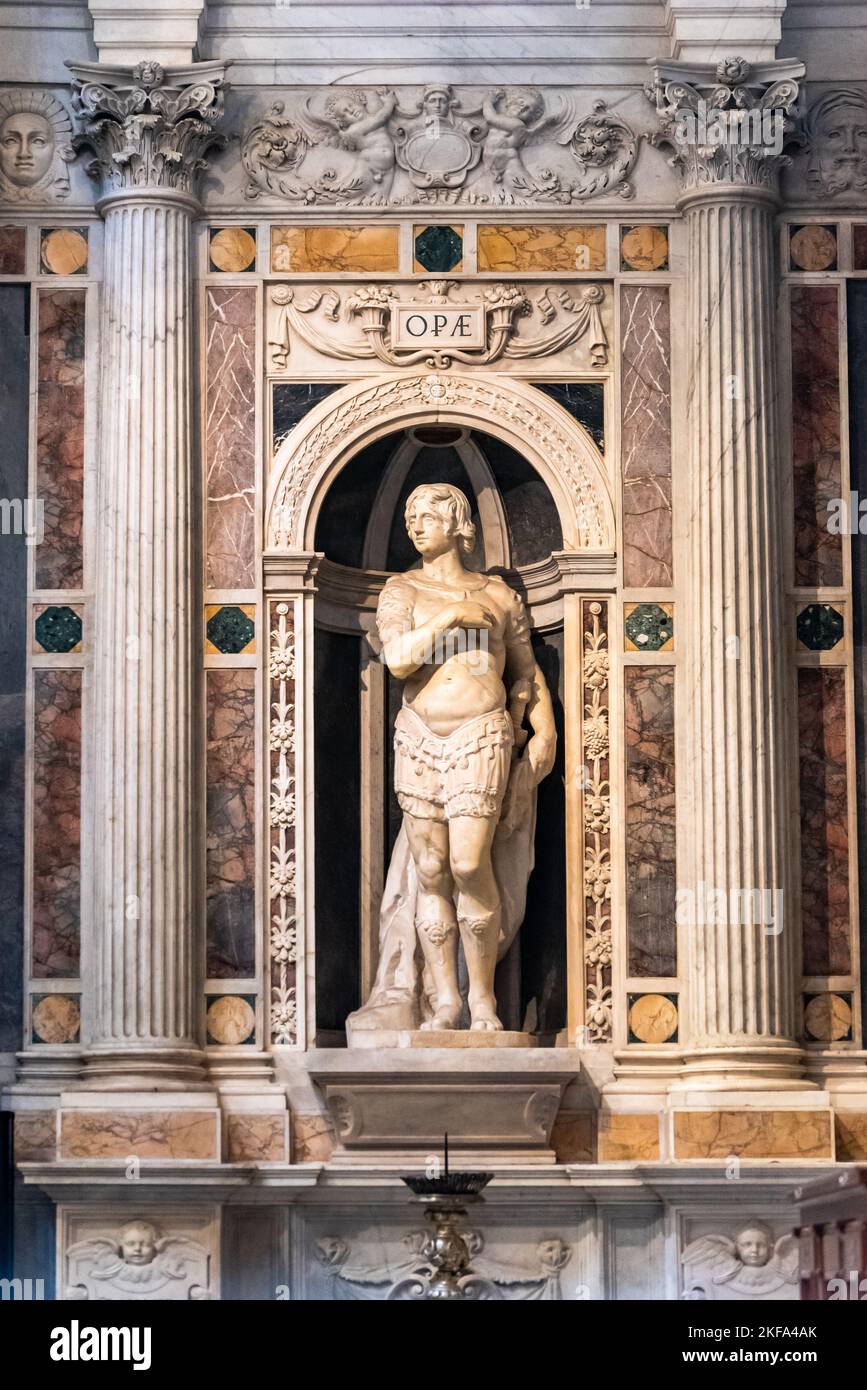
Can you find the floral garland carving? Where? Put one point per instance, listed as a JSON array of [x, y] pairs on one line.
[[282, 890], [596, 749]]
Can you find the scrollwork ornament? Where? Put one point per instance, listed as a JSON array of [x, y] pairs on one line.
[[151, 132]]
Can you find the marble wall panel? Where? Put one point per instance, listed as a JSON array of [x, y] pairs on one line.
[[752, 1133], [335, 248], [13, 243], [231, 835], [646, 436], [60, 437], [824, 821], [651, 865], [56, 823], [537, 247], [144, 1133], [816, 432], [230, 437]]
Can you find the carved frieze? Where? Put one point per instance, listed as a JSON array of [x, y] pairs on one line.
[[148, 128], [375, 321], [35, 147], [368, 1271], [364, 148], [728, 124]]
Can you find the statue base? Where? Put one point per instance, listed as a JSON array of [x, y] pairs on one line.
[[439, 1037]]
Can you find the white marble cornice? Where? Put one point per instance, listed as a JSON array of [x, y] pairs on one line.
[[706, 30], [163, 31]]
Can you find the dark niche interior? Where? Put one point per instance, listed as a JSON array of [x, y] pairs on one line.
[[531, 980]]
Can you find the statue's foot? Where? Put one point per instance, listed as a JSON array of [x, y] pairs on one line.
[[484, 1017], [446, 1016]]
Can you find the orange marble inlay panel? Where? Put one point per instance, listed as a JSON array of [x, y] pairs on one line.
[[35, 1136], [334, 248], [541, 248], [312, 1139], [752, 1133], [255, 1138], [634, 1137], [851, 1127], [142, 1133]]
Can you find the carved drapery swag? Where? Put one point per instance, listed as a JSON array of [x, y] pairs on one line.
[[725, 125], [371, 306], [151, 131]]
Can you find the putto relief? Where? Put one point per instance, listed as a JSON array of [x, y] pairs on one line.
[[138, 1260], [35, 147], [511, 146]]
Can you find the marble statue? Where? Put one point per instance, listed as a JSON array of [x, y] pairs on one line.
[[751, 1265], [835, 132], [465, 776]]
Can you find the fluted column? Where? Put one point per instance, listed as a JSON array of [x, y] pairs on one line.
[[148, 130], [736, 910]]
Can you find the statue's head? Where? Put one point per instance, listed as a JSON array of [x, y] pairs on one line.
[[437, 101], [34, 148], [26, 147], [836, 129], [438, 519], [524, 102], [346, 107], [755, 1244], [138, 1242]]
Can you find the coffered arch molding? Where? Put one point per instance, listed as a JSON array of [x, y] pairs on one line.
[[563, 454]]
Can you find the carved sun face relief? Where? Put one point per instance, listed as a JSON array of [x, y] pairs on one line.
[[34, 147]]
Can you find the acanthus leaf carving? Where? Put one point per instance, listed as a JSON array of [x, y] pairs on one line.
[[361, 148], [151, 131]]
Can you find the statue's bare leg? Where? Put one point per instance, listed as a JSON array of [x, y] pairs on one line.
[[435, 918], [470, 840]]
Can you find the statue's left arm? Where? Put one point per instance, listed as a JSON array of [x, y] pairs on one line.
[[521, 664]]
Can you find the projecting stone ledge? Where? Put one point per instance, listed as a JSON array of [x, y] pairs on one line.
[[494, 1109]]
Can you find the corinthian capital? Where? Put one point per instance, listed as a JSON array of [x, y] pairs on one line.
[[147, 126], [728, 123]]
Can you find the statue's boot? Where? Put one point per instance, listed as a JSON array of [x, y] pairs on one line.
[[479, 937], [438, 939]]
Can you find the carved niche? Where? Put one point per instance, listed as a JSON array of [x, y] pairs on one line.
[[35, 147], [375, 321], [137, 1260], [362, 148]]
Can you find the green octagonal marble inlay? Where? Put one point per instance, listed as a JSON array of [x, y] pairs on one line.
[[649, 627], [230, 630], [820, 627], [438, 248], [58, 629]]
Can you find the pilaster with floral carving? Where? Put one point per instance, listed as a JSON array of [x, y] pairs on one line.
[[596, 820]]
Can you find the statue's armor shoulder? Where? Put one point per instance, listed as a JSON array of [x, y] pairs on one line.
[[395, 606]]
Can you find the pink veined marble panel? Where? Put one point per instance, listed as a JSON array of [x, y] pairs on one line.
[[231, 833], [56, 823], [230, 437], [816, 432], [60, 438], [646, 436], [824, 821], [651, 864]]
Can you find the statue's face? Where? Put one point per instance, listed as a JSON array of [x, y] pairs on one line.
[[346, 111], [138, 1244], [753, 1247], [429, 531], [523, 107], [844, 132], [436, 104], [26, 148]]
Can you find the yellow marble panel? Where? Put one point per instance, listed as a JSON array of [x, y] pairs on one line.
[[145, 1133], [334, 248], [752, 1133], [518, 248], [255, 1138], [231, 1020], [828, 1018], [813, 247], [56, 1018], [64, 251], [644, 248], [312, 1139], [851, 1127], [232, 249], [572, 1137], [653, 1018], [35, 1136], [632, 1137]]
